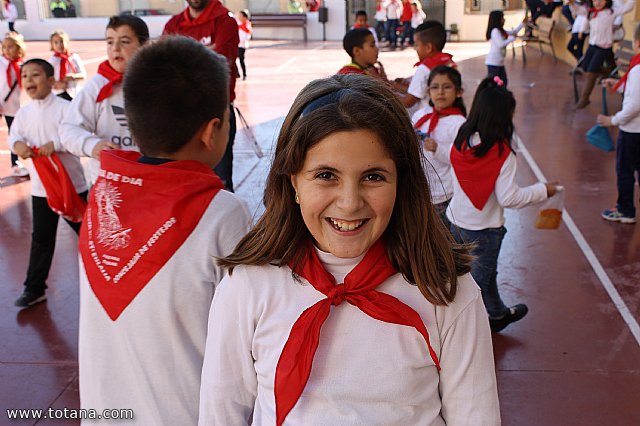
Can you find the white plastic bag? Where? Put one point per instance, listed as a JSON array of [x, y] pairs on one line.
[[550, 213]]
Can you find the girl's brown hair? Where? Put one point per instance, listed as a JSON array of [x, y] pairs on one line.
[[418, 244]]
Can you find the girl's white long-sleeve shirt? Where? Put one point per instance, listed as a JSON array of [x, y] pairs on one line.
[[36, 124], [506, 194], [365, 371], [10, 12], [11, 106], [498, 46], [87, 122], [628, 118], [72, 85], [438, 166], [601, 27], [580, 23]]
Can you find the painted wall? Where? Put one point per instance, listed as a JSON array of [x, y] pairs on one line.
[[472, 27]]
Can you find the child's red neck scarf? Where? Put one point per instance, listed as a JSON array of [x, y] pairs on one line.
[[477, 175], [138, 216], [593, 12], [65, 64], [245, 26], [435, 116], [361, 26], [106, 70], [634, 61], [358, 289], [14, 65], [436, 59]]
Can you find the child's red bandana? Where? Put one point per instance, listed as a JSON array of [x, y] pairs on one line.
[[360, 290], [434, 116], [106, 70], [477, 175], [65, 64], [439, 58], [62, 197], [245, 26], [634, 61], [14, 65], [138, 216]]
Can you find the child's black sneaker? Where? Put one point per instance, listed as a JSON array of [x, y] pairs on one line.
[[29, 298], [515, 313]]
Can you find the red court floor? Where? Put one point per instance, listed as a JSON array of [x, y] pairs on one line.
[[574, 360]]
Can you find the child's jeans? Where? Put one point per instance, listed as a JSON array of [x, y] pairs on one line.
[[500, 71], [43, 242], [392, 27], [484, 269], [576, 45], [627, 164], [407, 33]]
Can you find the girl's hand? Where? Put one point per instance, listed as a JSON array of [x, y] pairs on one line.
[[22, 150], [609, 82], [46, 150], [552, 188], [604, 120], [430, 144]]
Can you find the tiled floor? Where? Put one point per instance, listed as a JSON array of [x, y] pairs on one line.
[[572, 361]]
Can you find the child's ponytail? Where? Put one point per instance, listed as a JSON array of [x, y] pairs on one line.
[[490, 116]]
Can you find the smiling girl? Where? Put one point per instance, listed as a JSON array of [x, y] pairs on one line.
[[348, 218], [95, 120]]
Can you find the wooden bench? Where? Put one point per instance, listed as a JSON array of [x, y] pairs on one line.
[[275, 20], [542, 33]]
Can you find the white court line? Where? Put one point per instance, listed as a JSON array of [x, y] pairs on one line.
[[589, 254], [286, 64]]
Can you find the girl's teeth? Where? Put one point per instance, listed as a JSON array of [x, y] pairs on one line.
[[344, 226]]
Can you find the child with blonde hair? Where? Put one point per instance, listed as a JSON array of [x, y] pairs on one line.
[[13, 51], [68, 66]]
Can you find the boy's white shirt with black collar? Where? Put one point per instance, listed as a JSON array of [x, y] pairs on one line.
[[149, 358], [36, 124], [86, 122]]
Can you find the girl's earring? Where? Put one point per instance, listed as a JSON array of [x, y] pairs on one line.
[[297, 199]]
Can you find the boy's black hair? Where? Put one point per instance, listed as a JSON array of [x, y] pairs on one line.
[[490, 116], [361, 13], [46, 66], [137, 25], [171, 89], [245, 13], [495, 21], [455, 77], [432, 32], [355, 38]]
